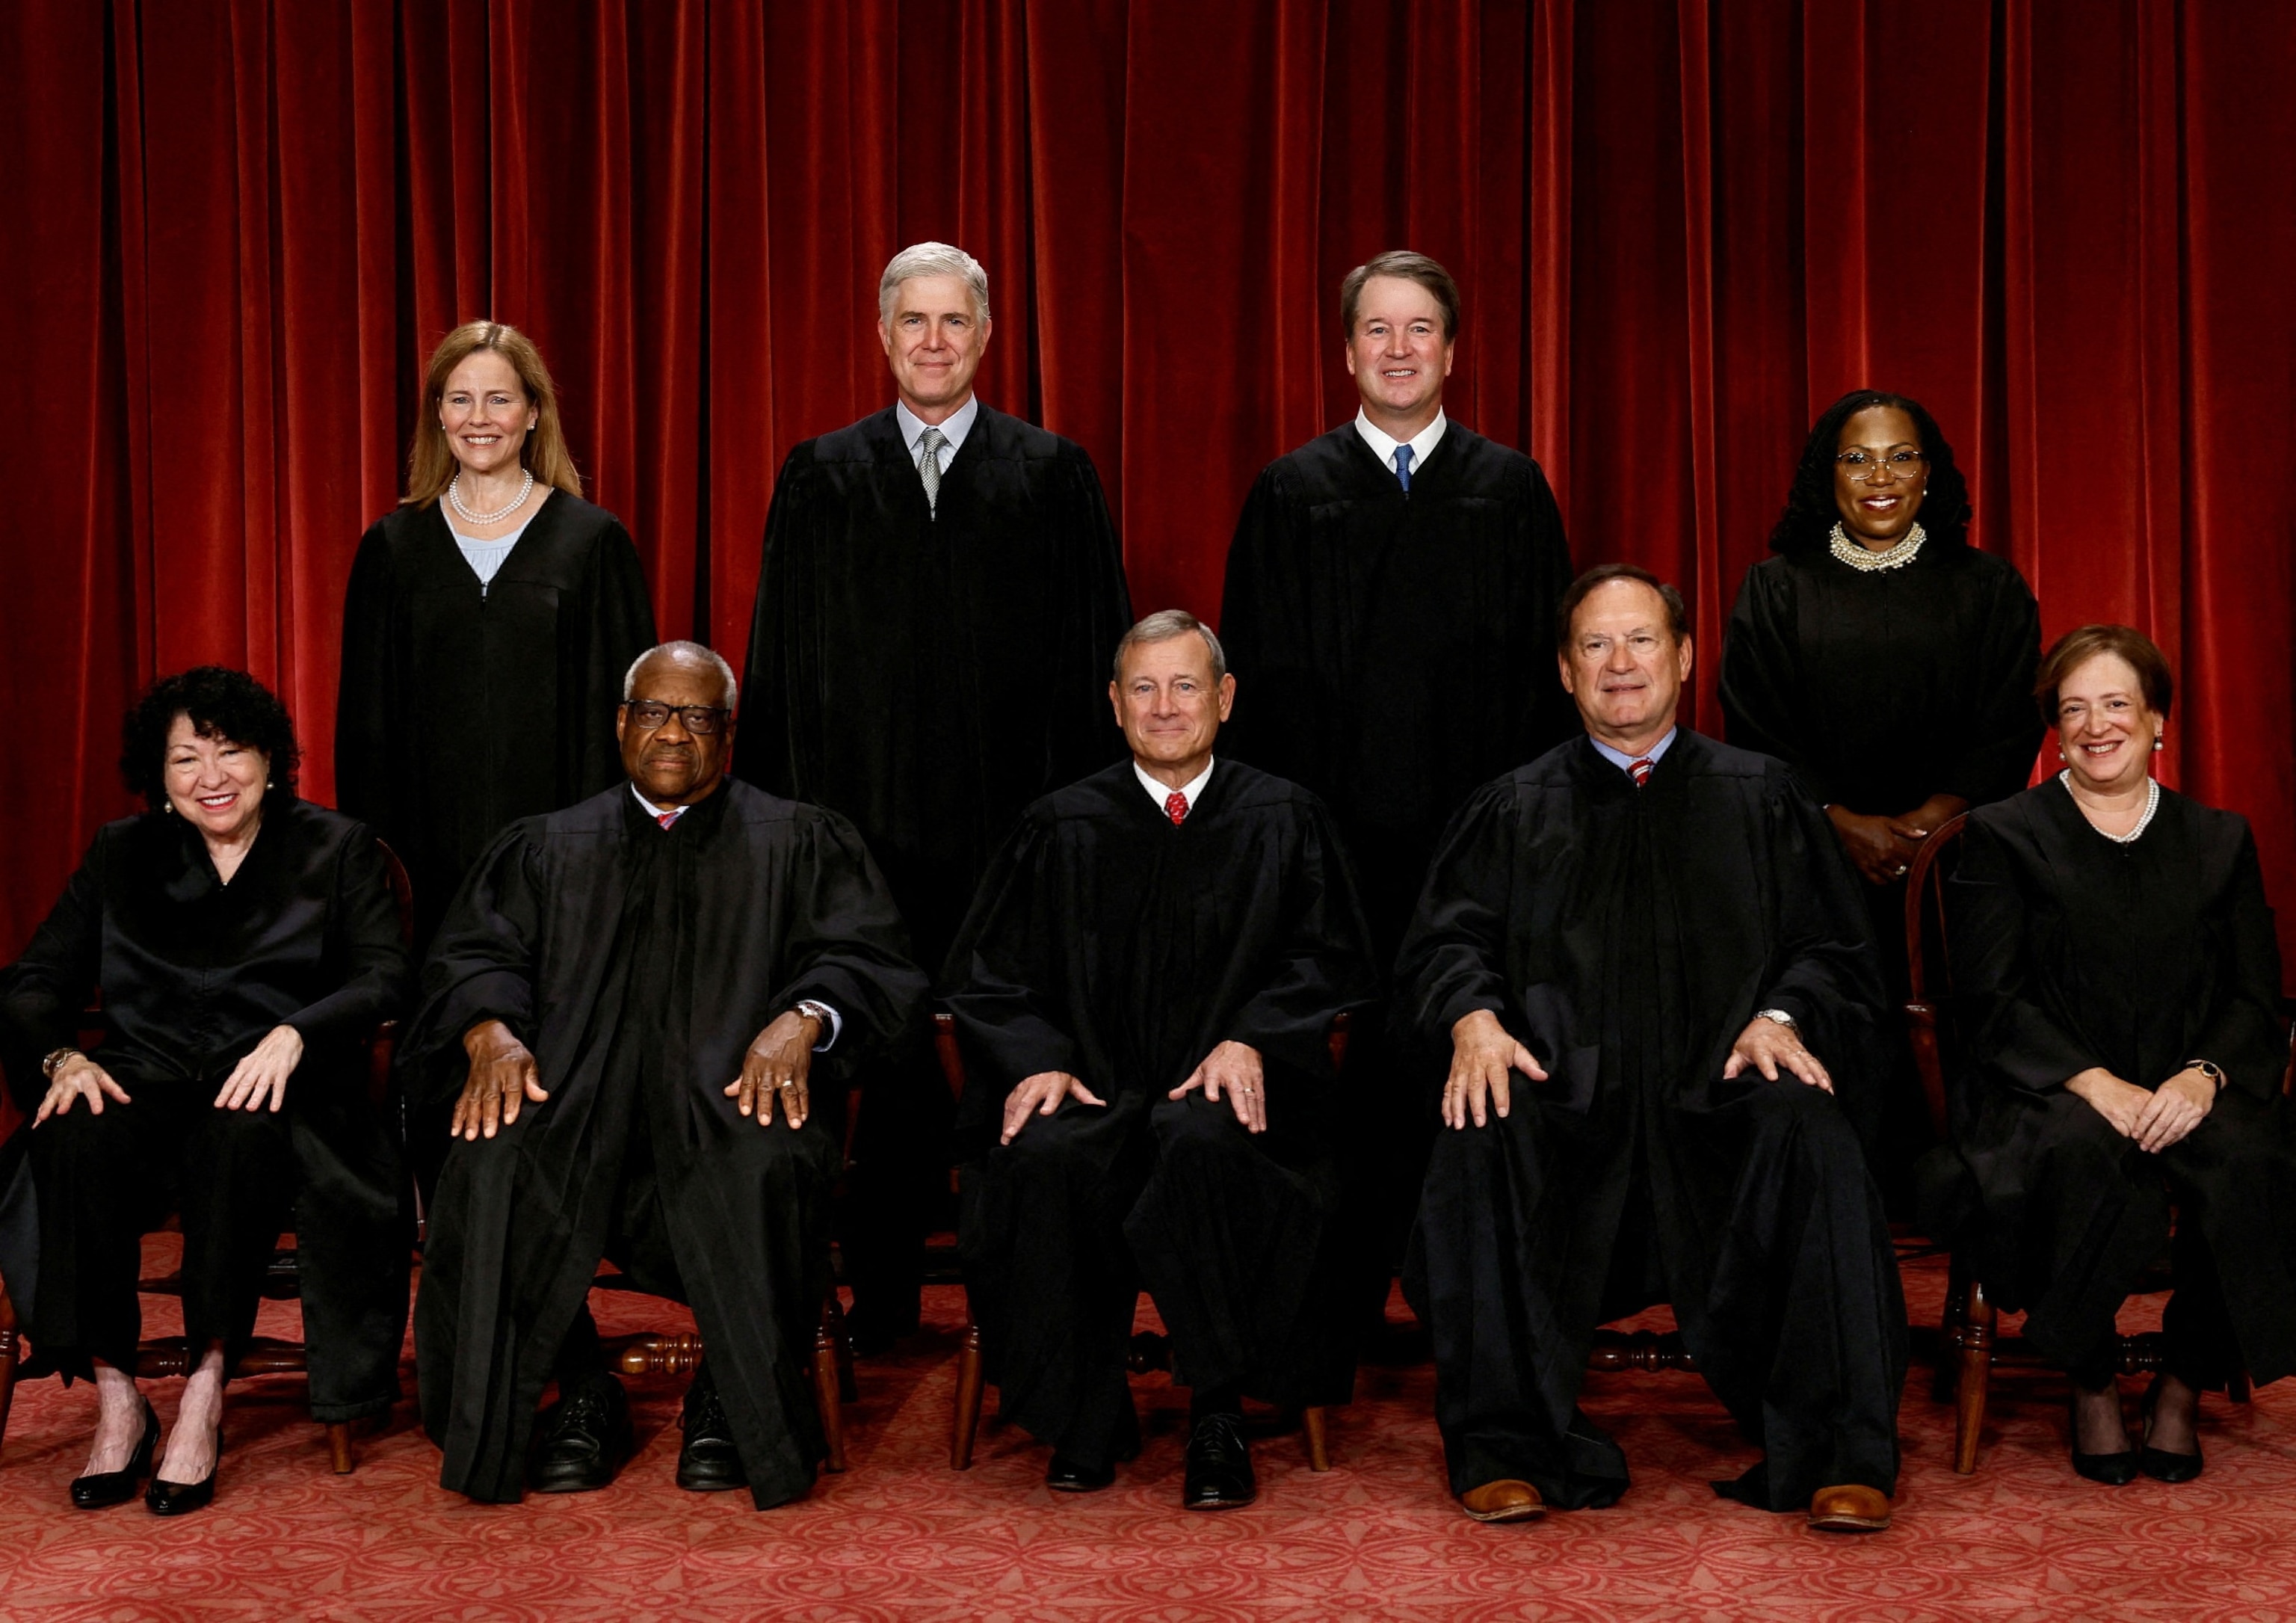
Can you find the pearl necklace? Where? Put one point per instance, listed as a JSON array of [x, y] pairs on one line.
[[2152, 805], [455, 496], [1864, 558]]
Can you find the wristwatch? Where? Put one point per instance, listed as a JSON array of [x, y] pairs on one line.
[[818, 1011], [56, 1059], [1781, 1017], [2209, 1069]]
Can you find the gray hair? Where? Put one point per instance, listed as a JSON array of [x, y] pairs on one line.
[[1164, 625], [685, 650], [933, 260]]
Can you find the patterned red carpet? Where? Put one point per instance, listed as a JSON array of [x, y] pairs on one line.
[[900, 1535]]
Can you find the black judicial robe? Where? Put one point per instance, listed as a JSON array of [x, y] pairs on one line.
[[1627, 937], [1882, 688], [1109, 944], [462, 709], [1394, 652], [194, 973], [638, 964], [2072, 951], [928, 675]]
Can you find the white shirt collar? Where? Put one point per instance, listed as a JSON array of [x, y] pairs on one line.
[[655, 811], [959, 425], [1624, 761], [1382, 443], [1158, 791]]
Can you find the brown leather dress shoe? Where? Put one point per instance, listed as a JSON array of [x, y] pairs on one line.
[[1849, 1507], [1505, 1500]]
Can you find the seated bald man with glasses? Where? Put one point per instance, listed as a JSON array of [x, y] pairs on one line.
[[624, 1006]]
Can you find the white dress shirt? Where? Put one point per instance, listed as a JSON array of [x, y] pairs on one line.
[[959, 425], [836, 1021], [1382, 444], [1160, 792], [1626, 762]]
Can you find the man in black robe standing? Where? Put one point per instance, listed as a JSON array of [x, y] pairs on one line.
[[619, 998], [1661, 933], [1390, 591], [941, 592], [1147, 984]]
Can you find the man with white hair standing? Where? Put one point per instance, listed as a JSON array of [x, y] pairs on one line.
[[941, 593]]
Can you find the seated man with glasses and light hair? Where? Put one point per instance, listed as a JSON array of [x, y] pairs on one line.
[[623, 1007]]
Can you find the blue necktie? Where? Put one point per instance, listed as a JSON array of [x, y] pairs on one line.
[[1403, 454]]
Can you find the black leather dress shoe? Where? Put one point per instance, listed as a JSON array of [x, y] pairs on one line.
[[586, 1438], [1219, 1466], [708, 1462], [102, 1488], [2114, 1470], [164, 1498], [1065, 1476]]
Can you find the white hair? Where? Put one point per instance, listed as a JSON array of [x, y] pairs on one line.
[[1164, 625], [933, 260], [685, 650]]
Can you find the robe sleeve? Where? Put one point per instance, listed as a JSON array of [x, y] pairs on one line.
[[1827, 974], [376, 980], [481, 965], [1552, 716], [844, 945], [1761, 676], [1001, 981], [365, 771], [619, 627], [769, 751], [2243, 1033], [2000, 1013], [1454, 956], [1325, 965], [2005, 731], [1248, 611], [43, 992], [1095, 619]]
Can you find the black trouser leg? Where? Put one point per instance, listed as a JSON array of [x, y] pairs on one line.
[[238, 1166]]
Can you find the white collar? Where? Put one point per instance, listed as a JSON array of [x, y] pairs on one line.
[[1159, 791], [1624, 761], [658, 812], [1422, 444], [959, 425]]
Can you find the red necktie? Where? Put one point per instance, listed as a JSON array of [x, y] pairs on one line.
[[666, 818], [1641, 769], [1176, 807]]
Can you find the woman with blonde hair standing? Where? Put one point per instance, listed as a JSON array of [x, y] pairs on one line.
[[490, 619]]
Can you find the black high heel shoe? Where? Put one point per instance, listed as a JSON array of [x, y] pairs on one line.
[[2158, 1463], [2115, 1470], [181, 1498], [101, 1489]]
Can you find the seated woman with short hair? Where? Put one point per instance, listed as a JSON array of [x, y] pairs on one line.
[[2116, 980], [247, 946]]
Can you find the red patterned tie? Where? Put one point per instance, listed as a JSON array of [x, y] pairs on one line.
[[1641, 769], [666, 818], [1176, 807]]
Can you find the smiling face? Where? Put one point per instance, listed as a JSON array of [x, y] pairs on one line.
[[214, 785], [1623, 665], [671, 764], [486, 413], [1880, 489], [1398, 355], [2105, 727], [934, 340], [1169, 706]]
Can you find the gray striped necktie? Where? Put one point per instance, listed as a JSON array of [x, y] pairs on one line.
[[929, 444]]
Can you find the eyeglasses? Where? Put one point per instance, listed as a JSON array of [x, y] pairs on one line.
[[1861, 462], [700, 719]]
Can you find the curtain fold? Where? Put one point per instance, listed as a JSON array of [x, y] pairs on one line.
[[1682, 228]]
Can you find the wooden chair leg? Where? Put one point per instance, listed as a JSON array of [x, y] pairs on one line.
[[825, 1386], [339, 1447], [966, 1423], [1944, 1376], [846, 1388], [1976, 1339], [11, 1350], [1319, 1448]]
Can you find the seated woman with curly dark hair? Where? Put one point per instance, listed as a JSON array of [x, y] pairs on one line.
[[246, 943]]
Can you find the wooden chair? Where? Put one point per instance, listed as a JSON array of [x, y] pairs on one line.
[[1970, 1344], [1149, 1351], [164, 1357]]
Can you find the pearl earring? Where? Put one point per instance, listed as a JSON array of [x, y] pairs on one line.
[[2159, 743]]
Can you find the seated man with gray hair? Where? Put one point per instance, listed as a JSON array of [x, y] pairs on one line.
[[1146, 985], [623, 1007]]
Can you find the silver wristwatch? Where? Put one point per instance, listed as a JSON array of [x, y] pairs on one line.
[[1781, 1017]]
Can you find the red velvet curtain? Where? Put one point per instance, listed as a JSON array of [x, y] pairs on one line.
[[235, 227]]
